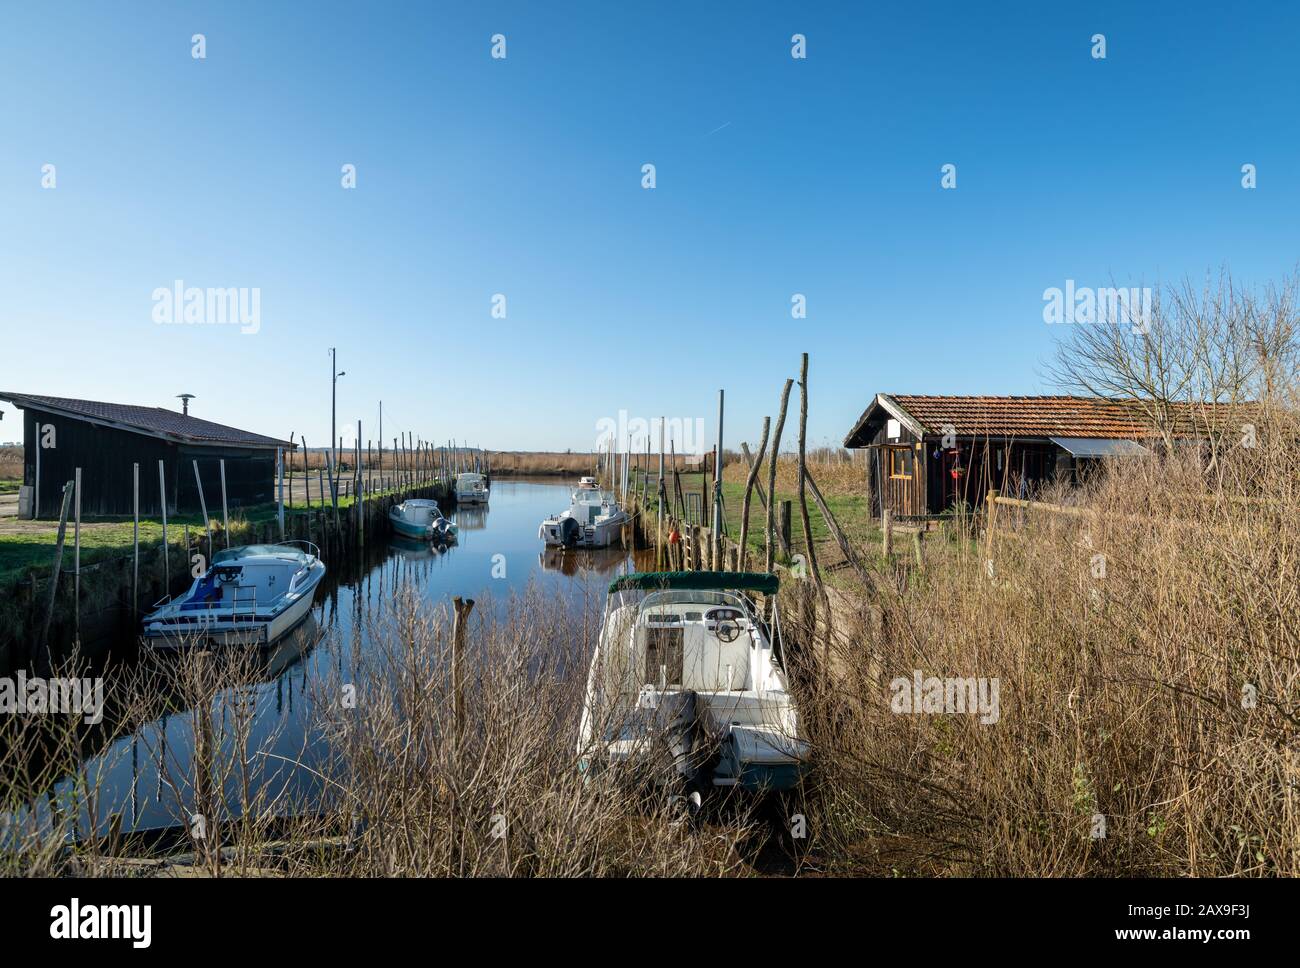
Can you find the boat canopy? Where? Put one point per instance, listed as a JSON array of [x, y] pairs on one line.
[[749, 581], [259, 551]]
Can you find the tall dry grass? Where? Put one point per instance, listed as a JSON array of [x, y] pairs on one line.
[[11, 463], [409, 788], [1149, 666]]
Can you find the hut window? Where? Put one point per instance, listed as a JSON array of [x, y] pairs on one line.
[[900, 463]]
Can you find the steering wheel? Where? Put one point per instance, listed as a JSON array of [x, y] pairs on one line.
[[727, 631]]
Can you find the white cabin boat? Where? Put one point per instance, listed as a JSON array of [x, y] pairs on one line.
[[252, 595], [472, 488], [593, 519], [686, 676], [588, 483], [420, 518]]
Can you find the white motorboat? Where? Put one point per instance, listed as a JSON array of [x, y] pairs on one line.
[[472, 488], [687, 675], [588, 483], [420, 518], [251, 595], [593, 519]]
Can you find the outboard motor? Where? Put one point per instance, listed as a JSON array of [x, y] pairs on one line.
[[570, 530]]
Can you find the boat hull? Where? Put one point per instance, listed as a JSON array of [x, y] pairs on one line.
[[599, 535], [252, 630]]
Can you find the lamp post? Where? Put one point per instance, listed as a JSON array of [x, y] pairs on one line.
[[335, 373]]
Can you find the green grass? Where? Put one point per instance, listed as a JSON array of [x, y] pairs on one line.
[[851, 511], [104, 538], [10, 486]]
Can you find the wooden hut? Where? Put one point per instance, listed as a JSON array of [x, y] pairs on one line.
[[928, 453], [106, 439]]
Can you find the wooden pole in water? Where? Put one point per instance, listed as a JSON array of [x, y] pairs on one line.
[[463, 608], [329, 469], [306, 476], [203, 506], [42, 658], [167, 564], [659, 536], [76, 563], [225, 508], [361, 504], [770, 557], [135, 541], [750, 480]]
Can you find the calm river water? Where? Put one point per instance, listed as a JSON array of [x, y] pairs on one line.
[[498, 554]]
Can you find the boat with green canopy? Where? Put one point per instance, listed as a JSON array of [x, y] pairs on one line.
[[688, 680]]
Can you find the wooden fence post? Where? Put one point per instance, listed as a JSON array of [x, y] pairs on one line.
[[135, 544], [463, 608], [990, 510], [42, 659]]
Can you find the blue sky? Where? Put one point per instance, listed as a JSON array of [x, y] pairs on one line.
[[522, 176]]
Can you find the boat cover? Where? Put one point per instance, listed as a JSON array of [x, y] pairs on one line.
[[750, 581]]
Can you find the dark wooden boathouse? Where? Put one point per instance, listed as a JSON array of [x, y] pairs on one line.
[[927, 454], [107, 439]]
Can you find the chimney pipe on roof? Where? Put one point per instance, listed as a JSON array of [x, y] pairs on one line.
[[185, 399]]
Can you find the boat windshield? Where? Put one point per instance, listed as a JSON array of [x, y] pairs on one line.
[[248, 551]]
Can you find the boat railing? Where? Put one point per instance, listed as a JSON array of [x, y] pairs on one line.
[[315, 551]]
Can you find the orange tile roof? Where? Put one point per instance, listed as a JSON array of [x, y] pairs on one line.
[[1047, 416]]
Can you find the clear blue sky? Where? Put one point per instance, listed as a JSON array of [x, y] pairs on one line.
[[523, 176]]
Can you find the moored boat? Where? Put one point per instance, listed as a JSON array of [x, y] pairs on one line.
[[421, 519], [688, 674], [250, 595], [472, 488], [593, 519]]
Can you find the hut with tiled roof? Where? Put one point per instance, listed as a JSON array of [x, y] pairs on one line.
[[928, 453]]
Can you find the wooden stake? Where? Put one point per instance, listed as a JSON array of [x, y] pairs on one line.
[[135, 543], [803, 473], [203, 505], [76, 562], [750, 480], [42, 658], [225, 508], [167, 564], [463, 608], [770, 557]]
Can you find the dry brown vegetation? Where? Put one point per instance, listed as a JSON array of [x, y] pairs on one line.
[[410, 789], [11, 463], [1149, 669], [537, 462]]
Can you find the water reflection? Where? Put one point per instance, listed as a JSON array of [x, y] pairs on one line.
[[265, 726]]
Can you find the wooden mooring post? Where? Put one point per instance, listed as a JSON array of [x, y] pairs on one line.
[[76, 561], [135, 544], [167, 564], [41, 660], [460, 624]]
